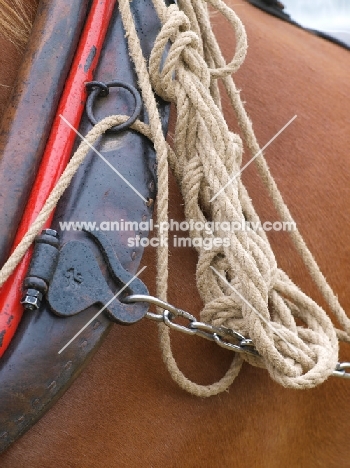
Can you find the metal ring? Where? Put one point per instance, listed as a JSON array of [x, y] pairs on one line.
[[102, 87], [97, 88]]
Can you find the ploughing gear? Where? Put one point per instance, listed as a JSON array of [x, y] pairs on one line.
[[81, 279]]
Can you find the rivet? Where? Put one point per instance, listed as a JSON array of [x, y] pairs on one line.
[[68, 365], [96, 325], [52, 385]]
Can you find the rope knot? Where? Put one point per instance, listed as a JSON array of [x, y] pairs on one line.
[[183, 56]]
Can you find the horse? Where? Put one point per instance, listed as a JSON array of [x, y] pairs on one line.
[[124, 409]]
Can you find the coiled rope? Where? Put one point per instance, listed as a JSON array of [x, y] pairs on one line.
[[205, 156]]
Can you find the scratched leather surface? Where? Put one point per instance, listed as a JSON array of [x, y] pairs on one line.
[[32, 373], [27, 122]]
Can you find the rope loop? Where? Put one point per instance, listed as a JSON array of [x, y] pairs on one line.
[[241, 41]]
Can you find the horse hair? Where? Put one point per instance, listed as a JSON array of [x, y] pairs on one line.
[[16, 19]]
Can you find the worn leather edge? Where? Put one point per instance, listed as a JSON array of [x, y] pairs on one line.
[[33, 374], [27, 121]]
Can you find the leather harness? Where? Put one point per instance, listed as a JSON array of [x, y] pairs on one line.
[[91, 267]]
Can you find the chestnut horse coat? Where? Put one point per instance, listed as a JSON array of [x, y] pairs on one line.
[[124, 410]]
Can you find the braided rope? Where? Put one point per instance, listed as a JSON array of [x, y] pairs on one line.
[[206, 156]]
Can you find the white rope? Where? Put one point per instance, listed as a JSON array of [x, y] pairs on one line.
[[206, 154]]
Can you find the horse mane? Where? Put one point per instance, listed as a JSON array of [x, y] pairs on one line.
[[16, 19]]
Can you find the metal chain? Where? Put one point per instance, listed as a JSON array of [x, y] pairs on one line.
[[222, 336], [194, 327]]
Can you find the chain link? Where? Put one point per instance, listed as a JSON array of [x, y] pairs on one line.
[[222, 336], [340, 370]]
